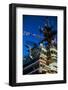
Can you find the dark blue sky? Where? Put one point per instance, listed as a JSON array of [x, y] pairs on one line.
[[32, 24]]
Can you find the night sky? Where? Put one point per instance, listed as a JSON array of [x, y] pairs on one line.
[[33, 24]]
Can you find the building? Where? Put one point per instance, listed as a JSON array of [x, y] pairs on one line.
[[41, 64]]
